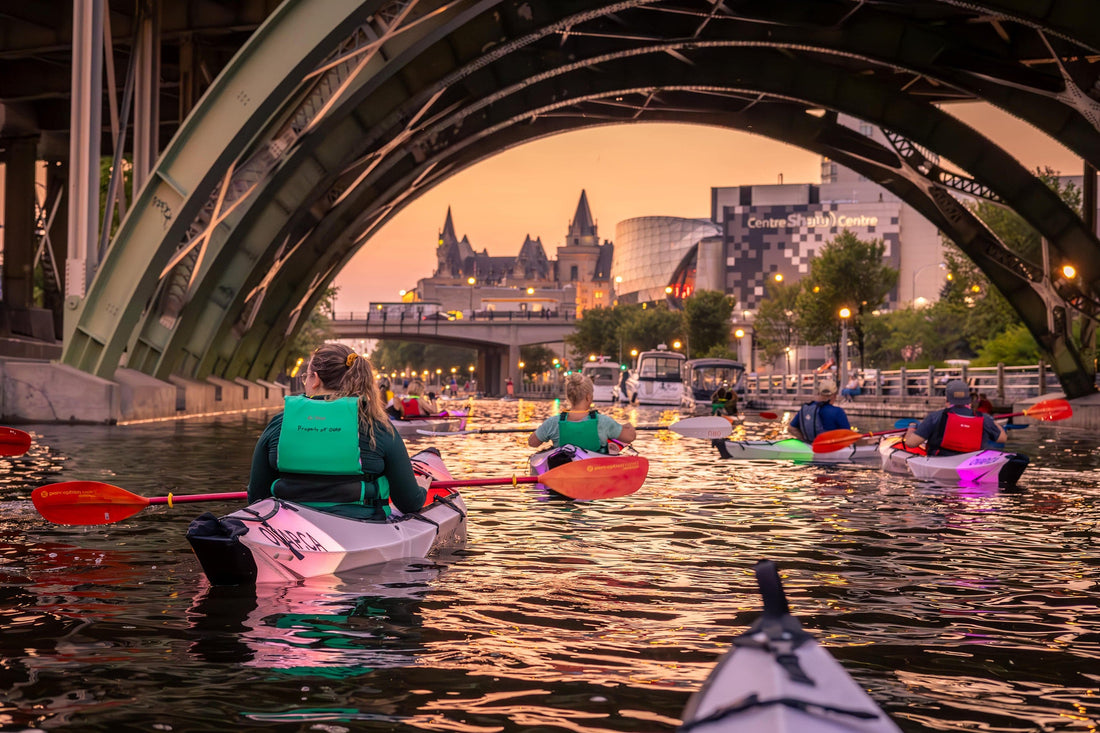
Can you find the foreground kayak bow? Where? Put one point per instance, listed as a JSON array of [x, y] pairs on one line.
[[778, 678]]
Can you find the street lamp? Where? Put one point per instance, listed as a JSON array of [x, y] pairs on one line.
[[471, 281], [913, 294], [842, 370]]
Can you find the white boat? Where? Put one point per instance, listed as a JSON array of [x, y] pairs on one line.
[[978, 467], [778, 678], [605, 377], [705, 376], [793, 449], [273, 540], [660, 379]]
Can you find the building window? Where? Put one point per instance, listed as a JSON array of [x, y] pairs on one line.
[[599, 294], [573, 273]]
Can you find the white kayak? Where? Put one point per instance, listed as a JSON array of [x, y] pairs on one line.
[[544, 460], [792, 449], [777, 678], [441, 423], [979, 467], [273, 540]]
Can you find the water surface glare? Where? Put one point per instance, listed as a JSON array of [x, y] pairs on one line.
[[956, 608]]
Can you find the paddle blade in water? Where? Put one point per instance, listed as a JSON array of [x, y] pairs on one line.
[[1050, 410], [605, 477], [86, 502], [707, 428], [14, 442]]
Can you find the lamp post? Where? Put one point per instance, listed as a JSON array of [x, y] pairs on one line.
[[842, 370], [918, 271]]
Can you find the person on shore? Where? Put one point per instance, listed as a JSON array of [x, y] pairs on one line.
[[820, 415], [354, 467], [509, 387], [853, 389], [955, 428], [414, 403], [580, 425]]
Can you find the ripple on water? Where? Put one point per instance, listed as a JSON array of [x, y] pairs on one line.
[[957, 608]]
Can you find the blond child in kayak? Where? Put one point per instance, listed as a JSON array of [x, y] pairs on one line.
[[580, 425], [334, 448]]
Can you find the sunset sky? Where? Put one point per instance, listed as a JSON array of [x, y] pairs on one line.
[[628, 171]]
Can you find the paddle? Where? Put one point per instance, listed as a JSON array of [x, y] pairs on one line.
[[706, 428], [94, 502], [14, 442], [833, 440]]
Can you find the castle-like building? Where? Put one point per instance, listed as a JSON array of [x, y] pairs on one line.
[[579, 277]]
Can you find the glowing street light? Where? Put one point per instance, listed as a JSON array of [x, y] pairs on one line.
[[845, 314], [1069, 272], [668, 290], [592, 357], [530, 291], [779, 277], [676, 344]]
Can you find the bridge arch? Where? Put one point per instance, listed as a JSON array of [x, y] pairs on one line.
[[380, 111]]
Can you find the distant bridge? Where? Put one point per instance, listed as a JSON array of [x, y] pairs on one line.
[[496, 335]]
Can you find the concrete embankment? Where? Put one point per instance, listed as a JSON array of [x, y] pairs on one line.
[[36, 391], [1086, 410]]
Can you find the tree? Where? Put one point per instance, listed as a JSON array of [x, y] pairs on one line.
[[597, 331], [707, 320], [645, 327], [776, 325], [848, 272], [409, 356], [1015, 345], [536, 359], [315, 331]]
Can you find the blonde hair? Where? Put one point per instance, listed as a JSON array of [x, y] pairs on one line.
[[346, 376], [579, 391], [416, 388]]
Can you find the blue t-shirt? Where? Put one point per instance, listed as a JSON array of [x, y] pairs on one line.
[[606, 426], [815, 418]]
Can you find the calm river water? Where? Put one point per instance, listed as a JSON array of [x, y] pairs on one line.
[[958, 609]]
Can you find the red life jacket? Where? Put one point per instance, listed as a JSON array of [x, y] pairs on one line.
[[962, 433], [410, 406]]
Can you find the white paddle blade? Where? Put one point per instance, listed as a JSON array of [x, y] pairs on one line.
[[706, 428]]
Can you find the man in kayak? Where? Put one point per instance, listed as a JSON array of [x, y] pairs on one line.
[[334, 448], [956, 428], [581, 425], [820, 415]]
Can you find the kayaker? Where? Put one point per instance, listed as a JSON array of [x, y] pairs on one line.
[[355, 464], [580, 425], [820, 415], [956, 428], [414, 403]]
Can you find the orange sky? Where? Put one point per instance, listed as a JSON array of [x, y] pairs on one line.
[[627, 170]]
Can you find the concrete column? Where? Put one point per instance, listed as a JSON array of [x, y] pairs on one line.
[[511, 367], [57, 183], [19, 239], [147, 95], [84, 149]]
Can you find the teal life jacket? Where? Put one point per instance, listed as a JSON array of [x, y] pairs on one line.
[[581, 433], [318, 457]]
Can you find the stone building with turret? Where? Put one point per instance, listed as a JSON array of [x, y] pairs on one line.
[[466, 279]]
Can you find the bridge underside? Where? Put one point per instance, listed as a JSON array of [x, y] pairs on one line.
[[338, 113]]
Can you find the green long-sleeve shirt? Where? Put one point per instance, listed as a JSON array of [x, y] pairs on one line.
[[387, 458]]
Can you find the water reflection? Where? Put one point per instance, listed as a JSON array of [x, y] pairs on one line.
[[956, 607]]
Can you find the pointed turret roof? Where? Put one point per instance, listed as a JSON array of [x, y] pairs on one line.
[[582, 224], [447, 236]]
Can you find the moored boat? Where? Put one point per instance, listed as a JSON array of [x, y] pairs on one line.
[[659, 379], [605, 378], [793, 449], [978, 467], [444, 422], [778, 678], [273, 540]]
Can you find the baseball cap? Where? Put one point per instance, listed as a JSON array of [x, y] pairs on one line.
[[828, 387], [957, 393]]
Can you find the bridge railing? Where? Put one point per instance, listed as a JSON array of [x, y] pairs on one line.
[[1001, 384], [412, 318]]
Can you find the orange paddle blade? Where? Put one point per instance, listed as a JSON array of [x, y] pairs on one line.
[[832, 440], [14, 442], [86, 502], [604, 477], [1050, 410]]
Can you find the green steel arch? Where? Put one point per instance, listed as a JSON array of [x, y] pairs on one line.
[[319, 132]]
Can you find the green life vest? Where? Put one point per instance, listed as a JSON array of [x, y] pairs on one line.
[[581, 433], [318, 456]]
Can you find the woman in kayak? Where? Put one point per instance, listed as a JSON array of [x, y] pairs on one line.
[[581, 425], [956, 428], [334, 447], [819, 416], [414, 403]]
